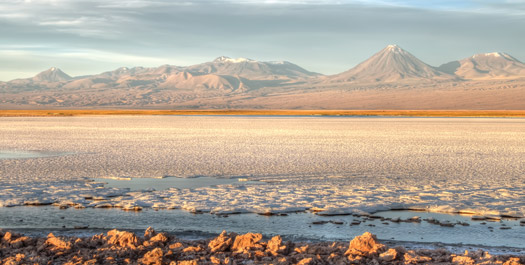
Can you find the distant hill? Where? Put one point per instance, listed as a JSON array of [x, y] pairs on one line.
[[53, 74], [485, 65]]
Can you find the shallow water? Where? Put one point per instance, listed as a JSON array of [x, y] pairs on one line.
[[297, 226], [135, 184], [12, 154]]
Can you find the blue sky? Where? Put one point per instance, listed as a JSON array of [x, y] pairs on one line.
[[91, 36]]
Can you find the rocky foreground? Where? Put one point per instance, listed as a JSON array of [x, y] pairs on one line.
[[121, 247]]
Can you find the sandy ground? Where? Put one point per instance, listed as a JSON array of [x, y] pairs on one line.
[[405, 113]]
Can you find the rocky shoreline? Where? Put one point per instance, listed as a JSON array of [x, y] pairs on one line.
[[122, 247]]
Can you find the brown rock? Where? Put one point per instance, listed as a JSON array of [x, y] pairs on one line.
[[355, 258], [305, 261], [513, 261], [389, 255], [221, 243], [10, 261], [20, 256], [153, 257], [56, 243], [246, 242], [161, 237], [302, 249], [21, 242], [192, 249], [123, 239], [365, 244], [215, 260], [149, 233], [465, 260], [7, 237], [187, 262], [259, 254], [177, 246], [276, 246], [412, 258]]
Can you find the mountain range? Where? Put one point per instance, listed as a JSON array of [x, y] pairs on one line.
[[390, 79]]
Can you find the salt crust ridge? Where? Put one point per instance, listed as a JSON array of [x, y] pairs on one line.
[[272, 198]]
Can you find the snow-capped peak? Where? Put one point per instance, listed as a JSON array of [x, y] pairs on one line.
[[495, 55], [52, 69], [393, 48], [230, 60]]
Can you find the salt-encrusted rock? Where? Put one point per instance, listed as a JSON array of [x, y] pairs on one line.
[[415, 219], [56, 243], [123, 239], [246, 242], [389, 255], [153, 257], [365, 244], [221, 243], [276, 246]]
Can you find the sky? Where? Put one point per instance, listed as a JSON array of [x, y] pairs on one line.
[[84, 37]]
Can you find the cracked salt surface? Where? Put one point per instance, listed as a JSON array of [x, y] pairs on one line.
[[328, 165]]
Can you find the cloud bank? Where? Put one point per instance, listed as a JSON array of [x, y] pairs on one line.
[[85, 37]]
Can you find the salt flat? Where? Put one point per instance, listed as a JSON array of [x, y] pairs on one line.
[[331, 164]]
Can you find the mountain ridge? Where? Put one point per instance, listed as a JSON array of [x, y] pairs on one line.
[[246, 83], [403, 65]]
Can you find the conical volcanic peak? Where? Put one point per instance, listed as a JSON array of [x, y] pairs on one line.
[[486, 65], [52, 74], [391, 64]]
